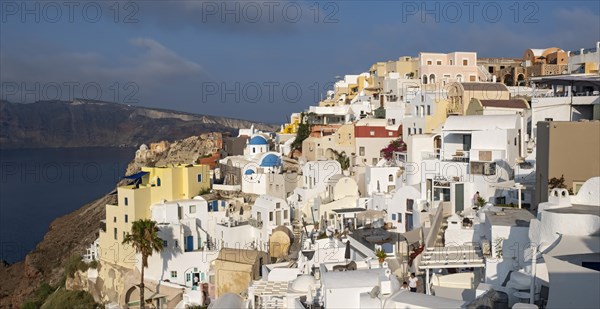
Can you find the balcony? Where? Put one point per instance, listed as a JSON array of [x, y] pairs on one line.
[[255, 223]]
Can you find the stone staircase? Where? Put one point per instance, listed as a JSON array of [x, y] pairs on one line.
[[297, 230]]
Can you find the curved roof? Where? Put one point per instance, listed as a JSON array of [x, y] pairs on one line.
[[248, 172], [258, 140], [270, 160]]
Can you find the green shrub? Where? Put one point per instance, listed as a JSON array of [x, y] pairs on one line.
[[70, 299], [41, 294], [93, 264]]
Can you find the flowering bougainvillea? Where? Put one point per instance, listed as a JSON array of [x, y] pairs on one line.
[[397, 145]]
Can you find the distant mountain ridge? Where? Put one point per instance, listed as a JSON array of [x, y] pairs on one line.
[[86, 123]]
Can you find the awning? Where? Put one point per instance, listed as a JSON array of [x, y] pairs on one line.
[[413, 236], [136, 175], [570, 80]]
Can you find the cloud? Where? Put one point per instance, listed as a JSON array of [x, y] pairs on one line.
[[245, 17], [150, 66]]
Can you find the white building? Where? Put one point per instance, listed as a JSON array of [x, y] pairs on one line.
[[350, 289]]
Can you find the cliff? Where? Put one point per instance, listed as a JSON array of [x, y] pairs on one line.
[[68, 235], [82, 123], [73, 233]]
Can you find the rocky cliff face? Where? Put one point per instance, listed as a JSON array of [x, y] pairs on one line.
[[89, 124]]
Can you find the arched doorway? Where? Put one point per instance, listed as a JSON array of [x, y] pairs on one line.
[[432, 78], [521, 80], [425, 79], [508, 80], [459, 78]]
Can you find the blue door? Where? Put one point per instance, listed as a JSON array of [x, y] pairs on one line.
[[189, 246]]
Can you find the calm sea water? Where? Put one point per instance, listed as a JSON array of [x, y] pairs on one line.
[[40, 185]]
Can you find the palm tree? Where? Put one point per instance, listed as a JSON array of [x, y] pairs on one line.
[[144, 239]]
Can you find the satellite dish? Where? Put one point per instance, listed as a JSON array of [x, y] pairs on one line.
[[374, 292]]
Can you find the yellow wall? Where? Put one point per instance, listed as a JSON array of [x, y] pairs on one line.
[[438, 118], [474, 108], [179, 182], [345, 135]]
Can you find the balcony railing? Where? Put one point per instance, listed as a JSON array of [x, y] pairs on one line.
[[255, 223]]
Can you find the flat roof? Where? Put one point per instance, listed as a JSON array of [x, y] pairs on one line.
[[577, 209], [480, 122], [346, 210], [510, 217], [352, 279], [513, 103]]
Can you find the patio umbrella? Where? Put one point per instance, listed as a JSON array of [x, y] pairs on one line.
[[347, 254]]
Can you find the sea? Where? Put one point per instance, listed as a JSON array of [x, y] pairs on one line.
[[40, 185]]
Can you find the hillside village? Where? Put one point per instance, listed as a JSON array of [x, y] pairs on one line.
[[442, 180]]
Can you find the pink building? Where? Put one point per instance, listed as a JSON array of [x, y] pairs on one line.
[[446, 68]]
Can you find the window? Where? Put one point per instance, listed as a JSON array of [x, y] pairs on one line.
[[391, 178], [451, 62], [439, 62], [465, 62], [409, 204], [165, 243], [393, 216], [390, 133], [199, 177], [188, 277], [176, 244], [420, 130], [115, 219], [285, 214], [115, 232], [277, 205], [399, 218], [158, 182], [126, 218], [372, 133], [173, 274], [429, 62], [253, 150], [483, 168], [270, 216], [126, 201], [192, 209], [375, 160], [361, 151], [428, 109]]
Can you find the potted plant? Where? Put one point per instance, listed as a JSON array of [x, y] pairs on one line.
[[380, 254]]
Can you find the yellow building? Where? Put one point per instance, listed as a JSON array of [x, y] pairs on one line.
[[150, 186], [436, 120], [460, 95], [292, 127]]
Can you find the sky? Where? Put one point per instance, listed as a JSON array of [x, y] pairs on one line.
[[255, 60]]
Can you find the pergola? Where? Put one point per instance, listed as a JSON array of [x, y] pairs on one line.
[[450, 257], [270, 293]]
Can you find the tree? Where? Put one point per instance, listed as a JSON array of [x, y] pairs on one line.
[[557, 183], [144, 239], [342, 158], [381, 255], [396, 145], [303, 132]]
